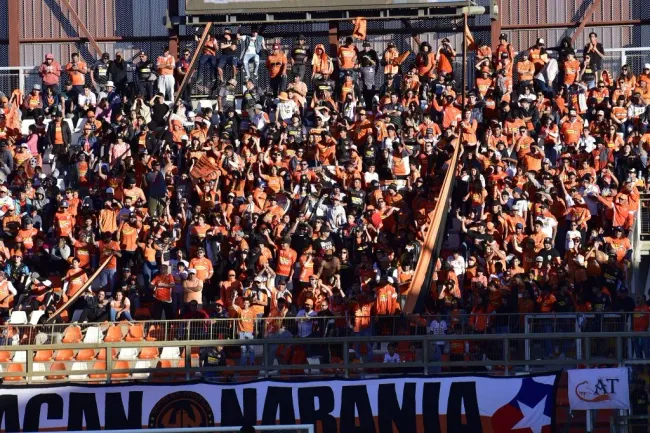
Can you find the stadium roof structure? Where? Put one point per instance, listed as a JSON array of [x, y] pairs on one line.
[[243, 11]]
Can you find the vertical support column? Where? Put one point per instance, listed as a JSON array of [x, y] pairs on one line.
[[495, 24], [333, 40], [13, 19], [172, 7], [464, 79]]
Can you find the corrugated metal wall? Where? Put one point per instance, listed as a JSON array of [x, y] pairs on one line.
[[515, 12], [48, 19], [4, 32]]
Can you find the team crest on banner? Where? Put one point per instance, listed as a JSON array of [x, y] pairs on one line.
[[180, 410], [599, 388]]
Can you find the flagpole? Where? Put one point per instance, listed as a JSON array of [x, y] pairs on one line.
[[464, 58]]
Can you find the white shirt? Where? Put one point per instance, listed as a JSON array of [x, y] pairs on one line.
[[438, 328], [89, 99], [570, 235], [391, 359], [286, 109], [336, 217], [592, 202], [588, 142], [458, 264], [369, 177], [305, 327], [547, 225]]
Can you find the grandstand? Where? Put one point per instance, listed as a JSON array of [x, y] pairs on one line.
[[327, 217]]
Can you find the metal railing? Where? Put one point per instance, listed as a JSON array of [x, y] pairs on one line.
[[462, 323], [629, 424], [501, 354]]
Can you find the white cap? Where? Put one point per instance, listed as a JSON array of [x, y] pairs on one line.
[[191, 271], [184, 137], [110, 84], [110, 190], [540, 40], [47, 283], [191, 114], [646, 66]]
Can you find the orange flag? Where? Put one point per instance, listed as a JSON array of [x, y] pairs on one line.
[[469, 38]]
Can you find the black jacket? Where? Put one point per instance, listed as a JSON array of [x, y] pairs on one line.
[[65, 131]]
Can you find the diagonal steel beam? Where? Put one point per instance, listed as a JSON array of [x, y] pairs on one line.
[[195, 57], [84, 30], [585, 19]]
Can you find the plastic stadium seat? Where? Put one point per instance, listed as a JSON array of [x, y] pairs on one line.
[[43, 355], [85, 355], [101, 356], [18, 318], [139, 365], [128, 353], [15, 368], [20, 356], [64, 355], [57, 366], [35, 316], [136, 333], [148, 353], [120, 365], [170, 353], [155, 333], [93, 335], [39, 367], [5, 355], [161, 366], [79, 366], [98, 366], [72, 334], [114, 334]]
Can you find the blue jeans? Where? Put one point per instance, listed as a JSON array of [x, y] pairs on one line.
[[107, 280], [366, 332], [641, 347], [206, 59], [256, 61], [247, 351], [125, 315], [148, 270]]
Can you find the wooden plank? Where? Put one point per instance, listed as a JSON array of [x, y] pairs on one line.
[[83, 289], [585, 19], [195, 58], [84, 30], [14, 33], [427, 254]]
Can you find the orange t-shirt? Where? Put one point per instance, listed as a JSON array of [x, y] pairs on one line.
[[165, 61], [76, 279], [203, 268], [346, 57], [64, 222], [104, 253], [163, 294], [128, 237], [286, 260], [78, 77]]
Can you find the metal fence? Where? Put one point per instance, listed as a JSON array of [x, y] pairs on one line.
[[288, 357], [629, 424]]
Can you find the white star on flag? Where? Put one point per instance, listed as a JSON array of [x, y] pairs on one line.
[[534, 418]]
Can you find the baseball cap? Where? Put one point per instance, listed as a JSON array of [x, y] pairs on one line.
[[184, 137], [258, 107], [646, 66], [258, 279], [110, 84], [546, 161], [540, 41], [64, 203], [191, 271], [110, 191], [539, 259], [519, 226], [37, 87], [49, 56], [503, 36]]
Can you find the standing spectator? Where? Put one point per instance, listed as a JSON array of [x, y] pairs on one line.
[[299, 57], [165, 65], [246, 318], [76, 70], [192, 289], [118, 72], [208, 57], [596, 52], [162, 284], [145, 76], [50, 72], [276, 64], [182, 69], [228, 47], [99, 73], [252, 46]]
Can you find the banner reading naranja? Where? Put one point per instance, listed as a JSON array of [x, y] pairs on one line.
[[463, 404]]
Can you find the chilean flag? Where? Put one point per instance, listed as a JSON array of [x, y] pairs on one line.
[[530, 411]]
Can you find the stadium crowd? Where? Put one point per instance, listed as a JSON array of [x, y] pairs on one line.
[[312, 198]]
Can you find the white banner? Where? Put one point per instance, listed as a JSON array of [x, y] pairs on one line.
[[465, 404], [599, 388]]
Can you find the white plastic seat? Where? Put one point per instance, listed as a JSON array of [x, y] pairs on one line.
[[140, 365], [128, 353], [35, 316], [171, 353], [18, 318], [93, 335], [79, 366], [313, 361], [39, 367], [20, 356]]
